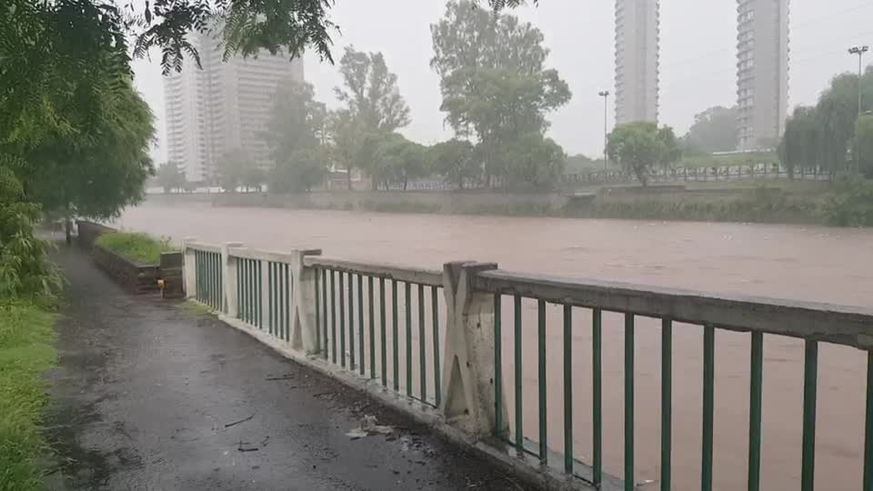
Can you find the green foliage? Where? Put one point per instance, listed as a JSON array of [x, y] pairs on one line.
[[137, 247], [822, 135], [26, 352], [24, 270], [299, 171], [398, 160], [714, 130], [456, 161], [850, 203], [171, 177], [374, 109], [638, 147], [236, 168], [295, 135], [863, 146], [532, 161], [493, 80]]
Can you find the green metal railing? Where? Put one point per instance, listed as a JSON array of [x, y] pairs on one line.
[[249, 293], [811, 322], [389, 325], [368, 316], [209, 278]]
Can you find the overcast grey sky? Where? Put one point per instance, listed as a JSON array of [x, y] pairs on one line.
[[698, 39]]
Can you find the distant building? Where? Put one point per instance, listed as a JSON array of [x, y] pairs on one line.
[[222, 107], [637, 37], [762, 72]]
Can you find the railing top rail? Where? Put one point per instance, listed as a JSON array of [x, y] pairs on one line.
[[850, 326], [200, 246], [389, 271], [257, 254]]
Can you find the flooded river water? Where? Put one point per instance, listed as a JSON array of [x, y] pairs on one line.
[[800, 263]]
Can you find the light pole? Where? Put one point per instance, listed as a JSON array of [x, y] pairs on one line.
[[859, 50], [605, 95]]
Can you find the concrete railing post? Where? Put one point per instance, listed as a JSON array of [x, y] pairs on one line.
[[189, 269], [469, 371], [304, 331], [229, 265]]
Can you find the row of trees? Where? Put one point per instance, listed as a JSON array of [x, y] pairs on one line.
[[831, 134], [496, 92]]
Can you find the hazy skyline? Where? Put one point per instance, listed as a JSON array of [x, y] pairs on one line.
[[698, 61]]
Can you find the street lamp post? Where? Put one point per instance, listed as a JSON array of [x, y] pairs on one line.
[[605, 95], [859, 50]]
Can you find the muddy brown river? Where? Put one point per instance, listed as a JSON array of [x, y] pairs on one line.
[[795, 262]]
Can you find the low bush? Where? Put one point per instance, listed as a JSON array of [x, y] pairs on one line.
[[850, 204], [137, 247]]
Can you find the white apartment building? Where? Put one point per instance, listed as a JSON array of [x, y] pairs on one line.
[[762, 72], [222, 107], [637, 37]]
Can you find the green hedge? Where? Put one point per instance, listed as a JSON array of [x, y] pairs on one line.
[[26, 352], [137, 247]]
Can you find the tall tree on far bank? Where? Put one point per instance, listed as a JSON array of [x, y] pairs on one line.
[[714, 130], [800, 145], [171, 177], [863, 145], [296, 136], [638, 147], [493, 79], [456, 161], [374, 107]]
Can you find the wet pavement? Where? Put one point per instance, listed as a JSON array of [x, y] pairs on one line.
[[158, 395]]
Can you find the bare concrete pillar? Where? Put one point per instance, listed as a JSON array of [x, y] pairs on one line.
[[304, 330], [189, 274], [229, 265], [469, 371]]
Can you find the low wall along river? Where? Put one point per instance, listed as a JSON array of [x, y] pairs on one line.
[[802, 263]]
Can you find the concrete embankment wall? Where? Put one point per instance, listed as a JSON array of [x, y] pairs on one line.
[[797, 202]]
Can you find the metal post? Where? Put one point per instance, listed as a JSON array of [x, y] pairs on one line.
[[605, 95]]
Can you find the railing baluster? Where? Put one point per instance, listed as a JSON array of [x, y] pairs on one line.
[[351, 298], [408, 299], [324, 312], [333, 316], [342, 324], [568, 389], [394, 340], [868, 427], [271, 289], [422, 349], [260, 265], [498, 369], [666, 403], [628, 402], [708, 406], [437, 383], [541, 379], [361, 363], [597, 396], [382, 328], [372, 320], [519, 414], [755, 394], [810, 379]]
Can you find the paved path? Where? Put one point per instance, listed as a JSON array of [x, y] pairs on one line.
[[154, 395]]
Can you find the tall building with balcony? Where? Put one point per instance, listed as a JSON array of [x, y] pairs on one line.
[[762, 72], [637, 37], [222, 106]]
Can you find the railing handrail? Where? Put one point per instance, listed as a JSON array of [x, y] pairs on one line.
[[421, 276], [838, 324], [202, 246]]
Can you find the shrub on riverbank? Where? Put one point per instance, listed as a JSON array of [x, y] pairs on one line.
[[137, 247], [851, 203], [26, 352]]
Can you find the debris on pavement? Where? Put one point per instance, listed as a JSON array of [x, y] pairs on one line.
[[369, 426], [234, 423]]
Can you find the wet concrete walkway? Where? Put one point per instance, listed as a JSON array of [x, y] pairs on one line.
[[156, 395]]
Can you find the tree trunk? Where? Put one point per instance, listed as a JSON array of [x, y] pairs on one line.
[[68, 230], [349, 177]]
